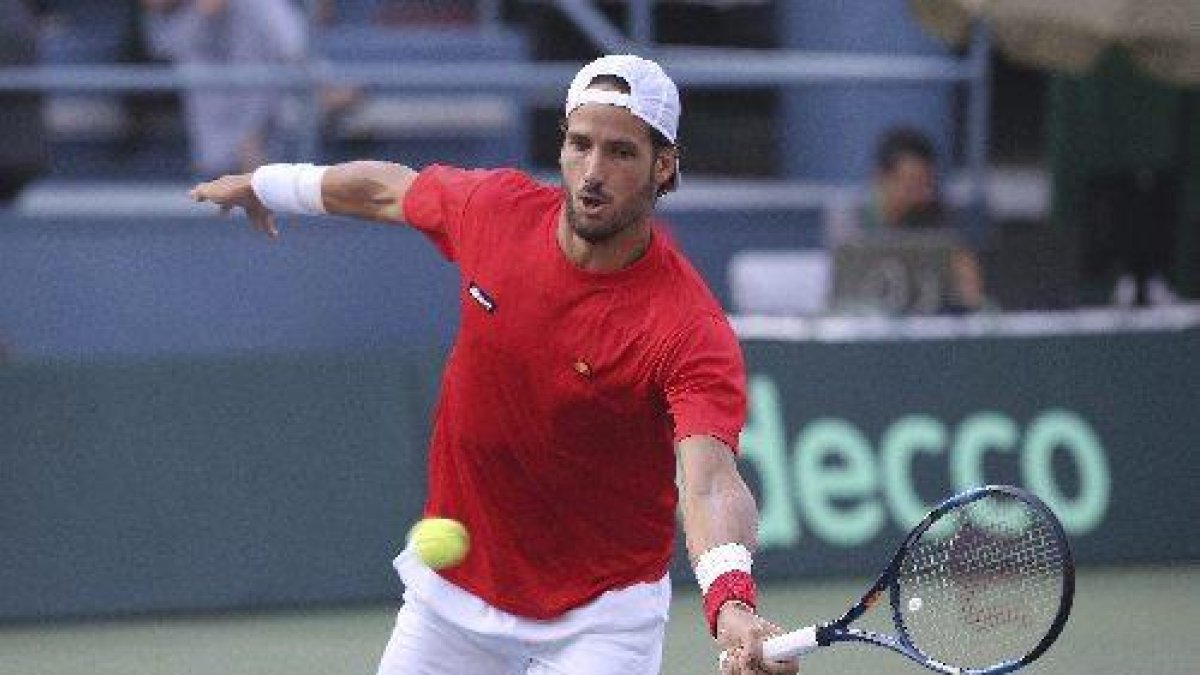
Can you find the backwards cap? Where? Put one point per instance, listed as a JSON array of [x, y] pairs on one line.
[[652, 95]]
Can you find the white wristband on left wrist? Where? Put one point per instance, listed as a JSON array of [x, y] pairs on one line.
[[290, 188]]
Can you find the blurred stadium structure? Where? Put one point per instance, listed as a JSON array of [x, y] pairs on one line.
[[801, 90], [478, 54], [463, 72], [194, 419]]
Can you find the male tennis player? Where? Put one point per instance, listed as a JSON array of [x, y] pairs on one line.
[[590, 357]]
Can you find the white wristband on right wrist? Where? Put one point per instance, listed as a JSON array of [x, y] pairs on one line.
[[290, 188], [718, 560]]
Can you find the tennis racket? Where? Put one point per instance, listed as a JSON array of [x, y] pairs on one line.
[[982, 585]]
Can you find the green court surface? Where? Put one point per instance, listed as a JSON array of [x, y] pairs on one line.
[[1125, 621]]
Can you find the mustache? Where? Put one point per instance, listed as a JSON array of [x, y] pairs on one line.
[[593, 192]]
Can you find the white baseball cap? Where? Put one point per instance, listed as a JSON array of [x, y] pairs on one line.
[[652, 96]]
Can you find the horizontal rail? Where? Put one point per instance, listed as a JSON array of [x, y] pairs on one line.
[[833, 328], [690, 67]]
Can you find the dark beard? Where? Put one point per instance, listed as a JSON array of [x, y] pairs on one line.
[[620, 221]]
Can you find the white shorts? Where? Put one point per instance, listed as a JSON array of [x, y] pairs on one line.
[[442, 629]]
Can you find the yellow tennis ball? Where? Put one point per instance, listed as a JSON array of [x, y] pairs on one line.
[[439, 542]]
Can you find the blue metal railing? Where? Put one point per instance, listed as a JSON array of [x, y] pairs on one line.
[[691, 67]]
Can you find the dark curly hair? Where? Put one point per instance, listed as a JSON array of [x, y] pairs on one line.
[[902, 142]]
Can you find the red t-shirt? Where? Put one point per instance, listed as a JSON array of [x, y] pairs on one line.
[[553, 440]]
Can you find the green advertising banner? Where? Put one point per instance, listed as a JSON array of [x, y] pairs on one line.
[[290, 479], [847, 445], [208, 484]]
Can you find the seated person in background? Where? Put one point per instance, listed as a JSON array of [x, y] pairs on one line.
[[905, 198]]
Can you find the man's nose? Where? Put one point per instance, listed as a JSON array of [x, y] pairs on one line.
[[593, 170]]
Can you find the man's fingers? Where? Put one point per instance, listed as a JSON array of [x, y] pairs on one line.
[[752, 647], [753, 660], [264, 220], [726, 662], [783, 667], [789, 667], [229, 193], [740, 661], [733, 661], [746, 661]]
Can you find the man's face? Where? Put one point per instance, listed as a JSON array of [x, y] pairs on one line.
[[910, 186], [610, 171]]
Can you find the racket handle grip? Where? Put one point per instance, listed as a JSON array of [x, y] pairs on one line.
[[790, 645]]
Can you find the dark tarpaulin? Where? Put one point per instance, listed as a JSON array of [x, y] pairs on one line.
[[1125, 158]]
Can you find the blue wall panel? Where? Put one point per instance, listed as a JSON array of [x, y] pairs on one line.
[[82, 289]]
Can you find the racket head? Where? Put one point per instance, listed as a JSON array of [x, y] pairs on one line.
[[984, 584]]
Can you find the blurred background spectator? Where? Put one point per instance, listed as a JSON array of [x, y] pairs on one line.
[[23, 153], [904, 192], [905, 198], [230, 130]]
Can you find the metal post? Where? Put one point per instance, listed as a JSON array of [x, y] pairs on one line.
[[978, 105], [308, 145], [308, 132], [594, 26], [641, 22]]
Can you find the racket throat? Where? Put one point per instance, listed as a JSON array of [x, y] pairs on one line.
[[825, 633]]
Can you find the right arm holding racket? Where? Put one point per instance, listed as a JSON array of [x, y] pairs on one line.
[[719, 520]]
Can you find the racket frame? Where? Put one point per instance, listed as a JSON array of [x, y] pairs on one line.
[[823, 635]]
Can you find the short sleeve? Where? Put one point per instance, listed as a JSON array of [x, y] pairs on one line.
[[436, 204], [705, 382]]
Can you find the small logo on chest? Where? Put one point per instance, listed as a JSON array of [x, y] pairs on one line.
[[582, 368], [481, 296]]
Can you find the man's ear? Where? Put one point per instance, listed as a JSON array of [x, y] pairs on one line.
[[666, 160]]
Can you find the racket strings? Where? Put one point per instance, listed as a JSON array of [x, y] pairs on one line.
[[988, 590]]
